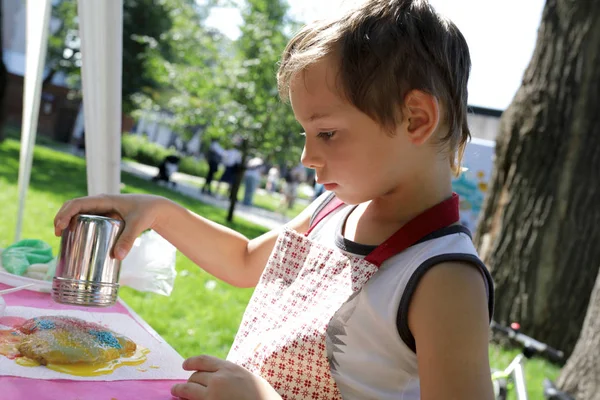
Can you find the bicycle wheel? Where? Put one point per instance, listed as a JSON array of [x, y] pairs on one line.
[[500, 384]]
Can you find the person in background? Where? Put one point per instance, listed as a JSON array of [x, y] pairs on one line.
[[293, 178], [213, 157], [273, 179], [167, 168], [232, 161], [319, 190], [252, 179]]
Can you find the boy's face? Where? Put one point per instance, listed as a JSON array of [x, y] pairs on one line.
[[350, 152]]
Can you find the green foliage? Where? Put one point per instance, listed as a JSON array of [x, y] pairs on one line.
[[144, 23], [191, 166], [138, 148], [192, 81], [173, 63], [228, 88], [256, 110]]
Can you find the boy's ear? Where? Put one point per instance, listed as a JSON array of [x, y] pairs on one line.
[[421, 115]]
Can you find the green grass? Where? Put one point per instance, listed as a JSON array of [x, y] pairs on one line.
[[535, 370], [197, 318]]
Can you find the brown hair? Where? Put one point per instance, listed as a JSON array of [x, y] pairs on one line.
[[386, 48]]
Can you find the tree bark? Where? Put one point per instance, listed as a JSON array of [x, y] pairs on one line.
[[539, 231], [581, 376]]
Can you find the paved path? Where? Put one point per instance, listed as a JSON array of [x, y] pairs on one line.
[[190, 186]]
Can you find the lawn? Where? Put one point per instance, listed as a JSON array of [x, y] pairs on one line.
[[201, 315]]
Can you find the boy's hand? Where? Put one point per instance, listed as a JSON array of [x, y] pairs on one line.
[[138, 211], [217, 379]]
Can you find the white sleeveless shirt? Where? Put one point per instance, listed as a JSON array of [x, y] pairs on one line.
[[370, 348]]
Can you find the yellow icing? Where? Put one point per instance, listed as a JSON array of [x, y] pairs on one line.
[[139, 357]]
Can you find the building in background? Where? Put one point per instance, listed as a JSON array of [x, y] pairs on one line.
[[155, 126], [484, 123], [59, 104], [478, 162]]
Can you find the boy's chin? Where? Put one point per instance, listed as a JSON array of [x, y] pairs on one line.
[[349, 198]]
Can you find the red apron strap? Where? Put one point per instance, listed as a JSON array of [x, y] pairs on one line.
[[435, 218], [331, 206]]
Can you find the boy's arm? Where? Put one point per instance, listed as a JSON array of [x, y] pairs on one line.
[[221, 251], [448, 316]]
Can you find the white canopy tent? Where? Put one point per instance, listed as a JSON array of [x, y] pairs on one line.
[[101, 33]]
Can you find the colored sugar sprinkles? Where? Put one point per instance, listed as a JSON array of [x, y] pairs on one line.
[[69, 345]]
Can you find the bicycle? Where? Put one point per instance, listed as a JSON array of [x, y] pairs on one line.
[[514, 375]]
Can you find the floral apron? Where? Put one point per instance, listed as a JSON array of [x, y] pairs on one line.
[[283, 332]]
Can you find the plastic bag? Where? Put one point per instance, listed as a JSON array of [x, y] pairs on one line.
[[17, 257], [150, 265], [43, 272]]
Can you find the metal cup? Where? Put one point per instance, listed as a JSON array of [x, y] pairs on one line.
[[87, 274]]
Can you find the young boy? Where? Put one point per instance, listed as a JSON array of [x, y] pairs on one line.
[[374, 291]]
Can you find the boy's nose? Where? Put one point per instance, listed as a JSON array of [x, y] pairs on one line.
[[310, 158]]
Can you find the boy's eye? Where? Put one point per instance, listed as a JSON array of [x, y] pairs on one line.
[[326, 135]]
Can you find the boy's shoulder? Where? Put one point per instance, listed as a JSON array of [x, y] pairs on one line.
[[399, 277]]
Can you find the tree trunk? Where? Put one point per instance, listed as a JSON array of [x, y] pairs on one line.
[[539, 231], [48, 79], [581, 376]]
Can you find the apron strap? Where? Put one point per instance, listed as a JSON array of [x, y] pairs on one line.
[[433, 219], [333, 203]]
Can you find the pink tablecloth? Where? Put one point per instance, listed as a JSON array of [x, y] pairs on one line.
[[14, 388]]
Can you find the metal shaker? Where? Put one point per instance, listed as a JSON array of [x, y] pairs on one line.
[[87, 274]]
